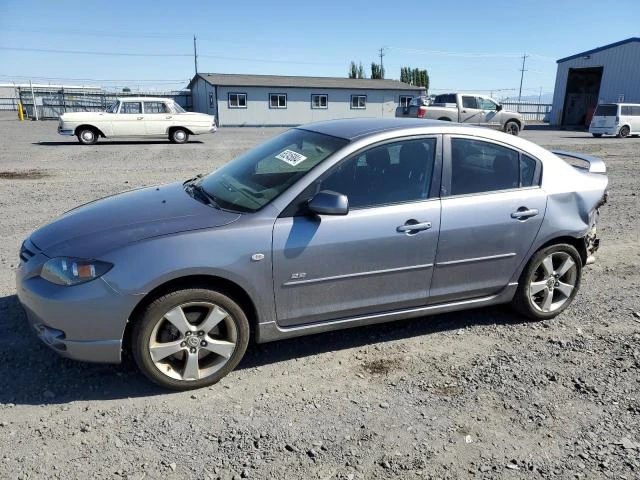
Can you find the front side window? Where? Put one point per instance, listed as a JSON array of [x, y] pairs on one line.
[[478, 166], [237, 100], [469, 102], [395, 172], [155, 107], [486, 104], [277, 100], [358, 102], [319, 101], [131, 107], [252, 180], [405, 100]]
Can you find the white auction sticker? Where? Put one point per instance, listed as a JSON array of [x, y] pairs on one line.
[[291, 157]]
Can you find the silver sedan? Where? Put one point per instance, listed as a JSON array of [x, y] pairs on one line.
[[326, 226]]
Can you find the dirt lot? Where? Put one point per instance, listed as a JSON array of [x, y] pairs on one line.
[[479, 394]]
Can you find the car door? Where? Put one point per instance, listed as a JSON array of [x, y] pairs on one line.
[[492, 209], [470, 112], [378, 257], [157, 118], [129, 121], [490, 114]]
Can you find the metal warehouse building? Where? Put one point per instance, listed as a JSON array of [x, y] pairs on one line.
[[606, 74], [270, 100]]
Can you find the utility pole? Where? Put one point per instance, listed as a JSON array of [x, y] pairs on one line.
[[382, 54], [195, 54], [522, 70]]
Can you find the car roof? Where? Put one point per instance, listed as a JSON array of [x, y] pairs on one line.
[[142, 99], [355, 128]]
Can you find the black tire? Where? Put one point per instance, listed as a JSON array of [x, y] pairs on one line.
[[178, 135], [597, 135], [192, 302], [444, 119], [624, 131], [523, 301], [87, 136], [512, 128]]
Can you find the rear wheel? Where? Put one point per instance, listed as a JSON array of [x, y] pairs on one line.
[[87, 136], [597, 135], [190, 338], [512, 128], [179, 135], [549, 282], [624, 131]]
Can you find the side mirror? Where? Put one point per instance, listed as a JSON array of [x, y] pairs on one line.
[[498, 108], [328, 202]]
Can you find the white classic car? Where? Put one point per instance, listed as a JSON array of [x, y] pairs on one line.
[[137, 117]]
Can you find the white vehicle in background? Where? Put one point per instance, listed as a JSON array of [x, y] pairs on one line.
[[137, 117], [619, 119]]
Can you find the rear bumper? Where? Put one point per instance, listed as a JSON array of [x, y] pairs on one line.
[[604, 130]]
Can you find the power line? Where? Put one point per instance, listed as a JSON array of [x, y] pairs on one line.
[[94, 33], [87, 52]]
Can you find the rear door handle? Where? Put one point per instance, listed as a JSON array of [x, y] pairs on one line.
[[413, 227], [140, 118], [523, 213], [169, 117]]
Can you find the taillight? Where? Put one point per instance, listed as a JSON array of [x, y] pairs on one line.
[[422, 111], [617, 119]]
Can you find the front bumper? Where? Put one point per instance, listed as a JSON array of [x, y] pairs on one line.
[[61, 131], [84, 322]]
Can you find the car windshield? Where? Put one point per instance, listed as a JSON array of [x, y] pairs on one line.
[[177, 108], [252, 180], [113, 108]]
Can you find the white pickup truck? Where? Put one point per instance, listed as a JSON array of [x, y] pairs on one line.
[[464, 108]]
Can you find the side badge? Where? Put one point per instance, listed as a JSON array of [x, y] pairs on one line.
[[256, 257]]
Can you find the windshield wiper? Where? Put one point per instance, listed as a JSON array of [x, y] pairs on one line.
[[198, 190]]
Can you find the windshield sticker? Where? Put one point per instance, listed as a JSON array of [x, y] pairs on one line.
[[291, 157]]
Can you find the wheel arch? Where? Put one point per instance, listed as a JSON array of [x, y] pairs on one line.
[[220, 284], [92, 127], [175, 127], [514, 120]]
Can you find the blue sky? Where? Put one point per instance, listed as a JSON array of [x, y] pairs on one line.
[[465, 45]]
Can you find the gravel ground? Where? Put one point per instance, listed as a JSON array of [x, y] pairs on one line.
[[478, 394]]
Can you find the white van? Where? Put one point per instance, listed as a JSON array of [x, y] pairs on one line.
[[619, 119]]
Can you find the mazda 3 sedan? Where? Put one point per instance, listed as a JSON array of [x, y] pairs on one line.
[[327, 226]]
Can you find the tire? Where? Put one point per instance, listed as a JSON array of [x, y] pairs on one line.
[[87, 136], [597, 135], [512, 128], [189, 338], [553, 282], [444, 119], [624, 131], [178, 135]]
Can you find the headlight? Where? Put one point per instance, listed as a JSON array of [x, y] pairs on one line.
[[72, 271]]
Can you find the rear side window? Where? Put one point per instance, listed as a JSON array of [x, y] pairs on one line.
[[632, 110], [606, 111], [478, 167], [445, 98], [155, 107]]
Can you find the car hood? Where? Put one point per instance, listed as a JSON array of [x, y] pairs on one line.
[[97, 227]]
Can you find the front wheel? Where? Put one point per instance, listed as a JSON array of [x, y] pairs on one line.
[[190, 338], [87, 136], [624, 131], [549, 282], [178, 135], [512, 128]]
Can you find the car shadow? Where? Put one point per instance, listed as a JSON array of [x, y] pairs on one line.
[[115, 142], [32, 374]]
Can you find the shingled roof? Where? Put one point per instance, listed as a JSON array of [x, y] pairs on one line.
[[239, 80]]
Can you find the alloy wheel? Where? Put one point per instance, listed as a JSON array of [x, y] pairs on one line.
[[193, 341], [553, 281]]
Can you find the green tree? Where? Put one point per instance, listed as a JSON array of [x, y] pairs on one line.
[[353, 70], [415, 76], [377, 71], [361, 71]]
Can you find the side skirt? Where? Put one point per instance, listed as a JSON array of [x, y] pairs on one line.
[[271, 331]]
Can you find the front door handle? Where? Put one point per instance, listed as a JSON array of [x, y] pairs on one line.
[[523, 213], [413, 226], [169, 117], [140, 118]]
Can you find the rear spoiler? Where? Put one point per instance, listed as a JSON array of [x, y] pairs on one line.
[[596, 165]]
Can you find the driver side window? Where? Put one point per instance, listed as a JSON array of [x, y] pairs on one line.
[[395, 172]]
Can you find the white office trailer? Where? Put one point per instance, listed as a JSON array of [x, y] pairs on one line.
[[273, 100], [608, 74]]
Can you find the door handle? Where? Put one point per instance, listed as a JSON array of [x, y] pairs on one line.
[[412, 226], [168, 117], [523, 213], [140, 118]]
